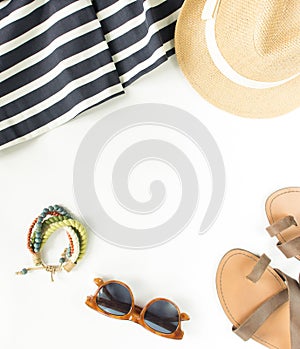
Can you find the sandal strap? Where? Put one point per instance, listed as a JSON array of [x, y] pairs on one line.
[[259, 268], [294, 301], [292, 294], [290, 248], [248, 328], [281, 225]]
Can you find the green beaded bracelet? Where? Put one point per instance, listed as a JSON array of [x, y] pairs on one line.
[[49, 221]]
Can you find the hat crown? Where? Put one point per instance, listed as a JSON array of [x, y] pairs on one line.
[[227, 50], [277, 27], [260, 39]]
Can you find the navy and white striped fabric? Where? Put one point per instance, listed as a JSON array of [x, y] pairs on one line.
[[61, 57]]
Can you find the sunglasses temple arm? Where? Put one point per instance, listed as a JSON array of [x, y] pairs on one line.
[[184, 317], [98, 281]]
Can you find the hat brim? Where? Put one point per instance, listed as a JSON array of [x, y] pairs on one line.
[[197, 65]]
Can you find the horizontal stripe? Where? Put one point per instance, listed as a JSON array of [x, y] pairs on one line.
[[22, 12], [155, 56], [167, 33], [4, 3], [170, 52], [40, 42], [41, 68], [41, 28], [59, 63], [8, 6], [57, 96], [128, 13], [129, 39], [104, 12], [56, 85], [126, 27], [107, 3], [101, 97], [135, 36], [49, 49], [145, 41], [52, 74], [148, 69], [120, 18], [64, 105], [138, 57], [38, 16]]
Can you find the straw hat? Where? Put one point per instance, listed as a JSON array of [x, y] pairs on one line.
[[242, 55]]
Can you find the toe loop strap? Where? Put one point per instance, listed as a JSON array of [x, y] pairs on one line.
[[281, 225], [259, 268]]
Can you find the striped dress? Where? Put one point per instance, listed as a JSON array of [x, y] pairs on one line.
[[61, 57]]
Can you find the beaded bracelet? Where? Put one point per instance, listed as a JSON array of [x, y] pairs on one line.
[[49, 221]]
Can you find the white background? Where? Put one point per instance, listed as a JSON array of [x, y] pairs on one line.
[[260, 157]]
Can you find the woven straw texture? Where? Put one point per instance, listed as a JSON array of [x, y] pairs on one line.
[[260, 40]]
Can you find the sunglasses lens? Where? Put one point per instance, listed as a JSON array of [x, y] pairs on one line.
[[114, 299], [162, 316]]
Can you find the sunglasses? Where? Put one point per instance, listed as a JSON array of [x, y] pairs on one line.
[[160, 316]]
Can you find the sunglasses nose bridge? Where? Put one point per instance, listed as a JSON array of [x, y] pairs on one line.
[[136, 314]]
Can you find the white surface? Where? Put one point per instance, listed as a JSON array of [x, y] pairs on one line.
[[260, 156]]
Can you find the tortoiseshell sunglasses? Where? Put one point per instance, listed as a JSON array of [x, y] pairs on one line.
[[160, 316]]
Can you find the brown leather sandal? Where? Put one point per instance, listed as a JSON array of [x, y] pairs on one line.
[[283, 212], [262, 303]]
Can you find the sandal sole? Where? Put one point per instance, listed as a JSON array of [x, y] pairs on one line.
[[240, 297]]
